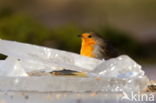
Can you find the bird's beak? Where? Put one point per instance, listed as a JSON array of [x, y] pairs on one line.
[[79, 35]]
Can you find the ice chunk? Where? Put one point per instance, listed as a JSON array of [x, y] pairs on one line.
[[68, 84], [89, 64], [11, 67], [117, 74], [48, 58], [120, 67], [123, 68]]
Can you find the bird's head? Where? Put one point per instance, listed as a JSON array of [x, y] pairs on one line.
[[90, 37]]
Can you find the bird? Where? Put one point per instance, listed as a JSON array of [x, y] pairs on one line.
[[93, 45]]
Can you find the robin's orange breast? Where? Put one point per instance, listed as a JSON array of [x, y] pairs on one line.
[[87, 48]]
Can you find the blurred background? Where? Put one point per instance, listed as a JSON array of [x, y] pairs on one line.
[[129, 24]]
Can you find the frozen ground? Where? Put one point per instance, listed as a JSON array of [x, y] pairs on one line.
[[47, 97]]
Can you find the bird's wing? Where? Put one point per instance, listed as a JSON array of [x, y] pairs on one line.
[[107, 50]]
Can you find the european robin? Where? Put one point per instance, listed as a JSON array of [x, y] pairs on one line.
[[93, 45]]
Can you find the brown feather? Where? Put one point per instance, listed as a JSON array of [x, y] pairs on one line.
[[103, 49]]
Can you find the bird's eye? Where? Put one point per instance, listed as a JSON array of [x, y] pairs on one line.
[[89, 36]]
